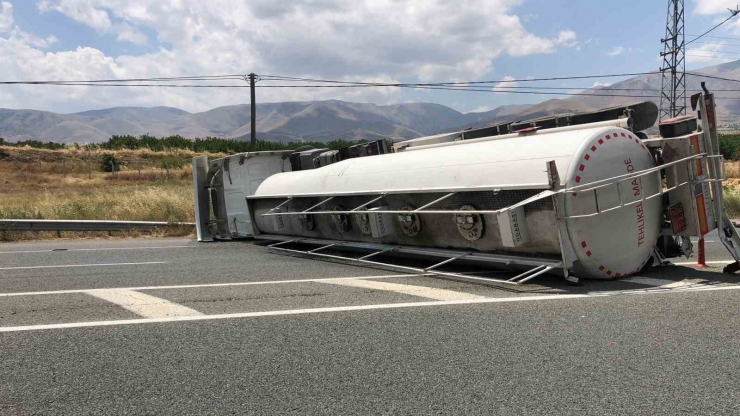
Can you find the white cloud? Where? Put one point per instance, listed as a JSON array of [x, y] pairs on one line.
[[128, 33], [480, 109], [708, 7], [93, 13], [361, 40], [567, 38], [616, 51], [6, 17], [601, 84], [15, 33], [708, 54], [508, 81], [82, 11]]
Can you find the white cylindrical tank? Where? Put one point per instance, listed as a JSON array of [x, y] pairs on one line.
[[611, 244]]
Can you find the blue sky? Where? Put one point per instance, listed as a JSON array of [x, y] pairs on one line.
[[403, 41]]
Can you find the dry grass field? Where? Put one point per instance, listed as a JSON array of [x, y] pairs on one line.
[[70, 184], [151, 186]]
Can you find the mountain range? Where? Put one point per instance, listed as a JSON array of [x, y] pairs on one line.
[[333, 119]]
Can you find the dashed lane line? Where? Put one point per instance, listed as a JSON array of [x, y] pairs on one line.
[[61, 266], [361, 308], [422, 291], [661, 283], [66, 250], [195, 286], [142, 304], [693, 263]]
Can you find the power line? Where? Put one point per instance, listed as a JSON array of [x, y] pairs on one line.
[[712, 77], [189, 78], [295, 79], [710, 55], [733, 13], [456, 86], [363, 85], [708, 51], [718, 43], [715, 37]]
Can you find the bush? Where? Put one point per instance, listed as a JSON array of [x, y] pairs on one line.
[[209, 144], [732, 203], [33, 144], [109, 163], [174, 162], [729, 145]]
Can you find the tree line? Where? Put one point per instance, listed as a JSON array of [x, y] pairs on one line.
[[207, 145], [729, 144]]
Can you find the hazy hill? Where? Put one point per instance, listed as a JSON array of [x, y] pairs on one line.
[[333, 119], [318, 120]]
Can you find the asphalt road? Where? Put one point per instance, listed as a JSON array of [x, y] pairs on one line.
[[176, 327]]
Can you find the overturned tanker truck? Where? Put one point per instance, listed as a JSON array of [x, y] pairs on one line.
[[583, 196]]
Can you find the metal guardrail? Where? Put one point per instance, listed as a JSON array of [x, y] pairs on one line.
[[86, 225]]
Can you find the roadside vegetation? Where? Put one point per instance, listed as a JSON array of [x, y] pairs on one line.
[[126, 178], [179, 143], [74, 184], [729, 147], [149, 179]]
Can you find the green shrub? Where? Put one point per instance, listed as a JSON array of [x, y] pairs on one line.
[[109, 163], [729, 145], [209, 144], [174, 162], [732, 203]]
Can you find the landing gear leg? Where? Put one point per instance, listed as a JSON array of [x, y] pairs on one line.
[[731, 268]]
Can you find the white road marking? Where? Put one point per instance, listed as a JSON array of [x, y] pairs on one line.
[[64, 250], [82, 265], [271, 282], [693, 263], [422, 291], [359, 308], [662, 283], [143, 304]]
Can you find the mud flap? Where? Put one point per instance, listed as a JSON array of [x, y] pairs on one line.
[[202, 198]]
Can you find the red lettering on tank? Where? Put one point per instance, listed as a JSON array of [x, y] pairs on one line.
[[640, 224], [635, 187], [628, 163]]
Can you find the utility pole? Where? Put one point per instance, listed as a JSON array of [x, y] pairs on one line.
[[253, 107], [673, 90]]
